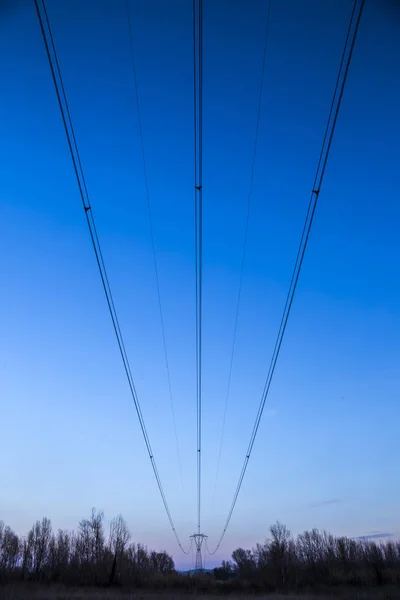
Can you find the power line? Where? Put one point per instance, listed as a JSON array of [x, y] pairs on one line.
[[249, 199], [75, 157], [198, 201], [323, 159], [146, 182]]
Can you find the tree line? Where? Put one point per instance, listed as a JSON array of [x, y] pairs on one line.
[[313, 558], [85, 557], [90, 556]]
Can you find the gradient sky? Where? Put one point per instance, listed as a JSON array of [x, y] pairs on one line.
[[327, 452]]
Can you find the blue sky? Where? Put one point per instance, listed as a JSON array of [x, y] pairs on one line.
[[326, 454]]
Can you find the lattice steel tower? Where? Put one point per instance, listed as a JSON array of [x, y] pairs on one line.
[[199, 539]]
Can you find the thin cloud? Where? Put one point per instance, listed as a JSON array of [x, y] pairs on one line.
[[379, 535], [326, 502]]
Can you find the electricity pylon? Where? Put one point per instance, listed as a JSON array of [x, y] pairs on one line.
[[199, 539]]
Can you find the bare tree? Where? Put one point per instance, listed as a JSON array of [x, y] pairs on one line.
[[59, 554], [9, 550], [374, 557], [278, 550], [91, 545], [38, 545], [161, 562], [97, 526], [245, 561], [119, 538], [26, 550]]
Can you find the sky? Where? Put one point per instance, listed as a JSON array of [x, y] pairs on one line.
[[326, 454]]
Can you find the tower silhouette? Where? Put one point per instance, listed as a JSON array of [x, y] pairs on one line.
[[199, 539]]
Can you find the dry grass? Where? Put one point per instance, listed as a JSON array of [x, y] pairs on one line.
[[37, 592]]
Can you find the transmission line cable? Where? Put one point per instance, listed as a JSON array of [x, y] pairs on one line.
[[320, 172], [198, 201], [249, 199], [77, 165], [146, 182]]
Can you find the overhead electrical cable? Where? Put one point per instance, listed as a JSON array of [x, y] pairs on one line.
[[249, 200], [75, 157], [146, 182], [323, 159], [198, 201]]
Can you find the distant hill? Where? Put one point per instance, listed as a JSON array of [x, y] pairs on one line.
[[193, 571]]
